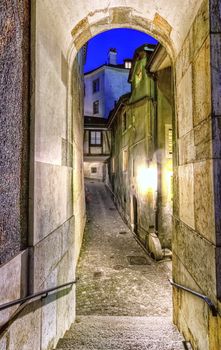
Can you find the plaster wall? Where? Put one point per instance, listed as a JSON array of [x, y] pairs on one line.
[[165, 104], [113, 84], [99, 175], [116, 84], [144, 152], [90, 96]]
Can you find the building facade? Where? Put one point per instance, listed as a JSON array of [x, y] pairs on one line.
[[141, 157], [104, 86], [96, 148]]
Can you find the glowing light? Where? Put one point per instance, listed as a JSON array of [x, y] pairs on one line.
[[147, 179], [169, 184]]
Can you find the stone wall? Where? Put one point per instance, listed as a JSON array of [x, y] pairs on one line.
[[90, 97], [116, 84], [113, 82], [195, 244], [56, 194], [14, 101]]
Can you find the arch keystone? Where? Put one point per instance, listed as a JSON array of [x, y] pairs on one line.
[[162, 23]]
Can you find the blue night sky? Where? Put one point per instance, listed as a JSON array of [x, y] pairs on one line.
[[124, 40]]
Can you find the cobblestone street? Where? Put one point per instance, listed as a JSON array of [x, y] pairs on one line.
[[123, 296], [116, 277]]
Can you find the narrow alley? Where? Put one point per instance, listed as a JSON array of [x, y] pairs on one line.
[[124, 93], [123, 296]]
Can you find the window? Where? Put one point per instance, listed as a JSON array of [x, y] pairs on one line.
[[96, 85], [128, 64], [138, 75], [93, 170], [124, 121], [133, 167], [113, 165], [95, 107], [95, 138], [125, 159], [168, 140]]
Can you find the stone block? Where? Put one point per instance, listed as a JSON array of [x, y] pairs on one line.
[[184, 102], [176, 203], [187, 152], [67, 234], [186, 194], [214, 331], [3, 343], [53, 198], [79, 225], [199, 258], [217, 198], [203, 140], [215, 16], [215, 40], [46, 256], [67, 153], [13, 283], [216, 130], [200, 28], [50, 115], [218, 269], [162, 23], [204, 199], [49, 314], [25, 331], [201, 84], [66, 297], [190, 312], [183, 60]]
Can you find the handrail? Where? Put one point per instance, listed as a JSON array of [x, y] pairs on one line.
[[199, 295], [34, 295]]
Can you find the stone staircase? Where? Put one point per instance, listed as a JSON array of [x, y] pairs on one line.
[[123, 333]]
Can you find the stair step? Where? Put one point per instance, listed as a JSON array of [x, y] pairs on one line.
[[123, 333]]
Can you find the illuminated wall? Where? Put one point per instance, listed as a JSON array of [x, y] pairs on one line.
[[142, 157]]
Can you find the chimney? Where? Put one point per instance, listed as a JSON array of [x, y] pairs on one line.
[[112, 57]]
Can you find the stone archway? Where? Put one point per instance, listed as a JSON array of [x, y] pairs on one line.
[[192, 162], [190, 31], [195, 234]]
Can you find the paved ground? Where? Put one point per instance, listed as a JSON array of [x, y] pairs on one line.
[[123, 297], [121, 333], [109, 282]]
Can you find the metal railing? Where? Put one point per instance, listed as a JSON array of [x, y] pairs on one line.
[[43, 293], [199, 295]]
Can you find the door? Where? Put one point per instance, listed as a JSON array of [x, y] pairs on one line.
[[135, 215]]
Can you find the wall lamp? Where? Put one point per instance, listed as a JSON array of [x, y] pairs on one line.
[[147, 179]]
